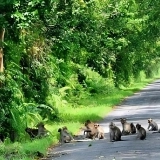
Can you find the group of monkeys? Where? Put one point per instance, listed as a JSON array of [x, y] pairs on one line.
[[93, 131]]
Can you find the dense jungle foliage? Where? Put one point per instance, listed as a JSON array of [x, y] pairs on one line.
[[53, 53]]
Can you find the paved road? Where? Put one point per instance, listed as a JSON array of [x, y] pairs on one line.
[[137, 109]]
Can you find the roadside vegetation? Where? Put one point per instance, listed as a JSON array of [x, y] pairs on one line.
[[63, 62], [94, 107]]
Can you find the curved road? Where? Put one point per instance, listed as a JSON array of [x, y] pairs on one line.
[[137, 109]]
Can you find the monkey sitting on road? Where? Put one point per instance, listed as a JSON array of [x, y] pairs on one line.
[[141, 132], [100, 134], [115, 132], [65, 136], [152, 126], [133, 128], [127, 127], [92, 132]]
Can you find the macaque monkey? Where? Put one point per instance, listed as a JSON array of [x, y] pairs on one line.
[[41, 130], [65, 136], [127, 127], [100, 134], [141, 132], [33, 132], [115, 132], [86, 131], [37, 132], [133, 128], [152, 126], [92, 132]]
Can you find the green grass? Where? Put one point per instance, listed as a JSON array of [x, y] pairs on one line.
[[25, 151], [93, 108]]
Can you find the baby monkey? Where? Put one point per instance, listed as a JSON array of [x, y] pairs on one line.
[[128, 128], [152, 126], [100, 131]]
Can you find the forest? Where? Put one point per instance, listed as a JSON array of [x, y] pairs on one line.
[[55, 54]]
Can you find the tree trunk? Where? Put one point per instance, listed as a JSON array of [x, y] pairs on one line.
[[2, 32]]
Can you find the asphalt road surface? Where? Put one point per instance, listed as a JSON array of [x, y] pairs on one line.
[[137, 109]]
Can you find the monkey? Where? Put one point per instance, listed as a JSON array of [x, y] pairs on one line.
[[141, 132], [37, 132], [115, 132], [88, 135], [127, 127], [152, 126], [91, 130], [100, 134], [41, 130], [65, 136], [86, 131], [133, 128], [33, 132]]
